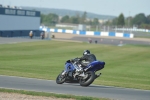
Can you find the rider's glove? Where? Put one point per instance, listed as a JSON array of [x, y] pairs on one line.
[[72, 60]]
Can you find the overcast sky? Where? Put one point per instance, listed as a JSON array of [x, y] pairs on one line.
[[103, 7]]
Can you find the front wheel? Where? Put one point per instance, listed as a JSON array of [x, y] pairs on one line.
[[88, 79], [60, 79]]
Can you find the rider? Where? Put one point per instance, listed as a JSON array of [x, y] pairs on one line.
[[87, 58]]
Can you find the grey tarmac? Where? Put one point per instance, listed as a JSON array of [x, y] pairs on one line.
[[31, 84]]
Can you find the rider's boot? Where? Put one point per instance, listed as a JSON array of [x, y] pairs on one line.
[[96, 76]]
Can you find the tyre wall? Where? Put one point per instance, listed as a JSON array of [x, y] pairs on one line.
[[89, 33]]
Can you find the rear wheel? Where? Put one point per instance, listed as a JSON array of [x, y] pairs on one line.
[[88, 79], [60, 79]]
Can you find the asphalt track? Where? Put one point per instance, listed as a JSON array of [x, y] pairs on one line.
[[103, 39], [100, 40], [31, 84], [5, 40]]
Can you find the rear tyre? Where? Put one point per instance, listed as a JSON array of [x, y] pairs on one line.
[[88, 80]]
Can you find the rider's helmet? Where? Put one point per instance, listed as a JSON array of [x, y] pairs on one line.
[[86, 52]]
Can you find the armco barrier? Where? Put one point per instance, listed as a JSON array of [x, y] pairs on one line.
[[92, 33]]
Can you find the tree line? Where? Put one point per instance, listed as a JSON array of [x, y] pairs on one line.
[[139, 20], [51, 19]]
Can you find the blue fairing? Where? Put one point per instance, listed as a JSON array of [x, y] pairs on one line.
[[96, 65], [69, 67]]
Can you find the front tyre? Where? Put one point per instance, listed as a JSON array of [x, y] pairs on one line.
[[60, 79], [88, 79]]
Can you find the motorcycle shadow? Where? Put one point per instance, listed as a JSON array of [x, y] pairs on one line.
[[73, 81], [90, 86]]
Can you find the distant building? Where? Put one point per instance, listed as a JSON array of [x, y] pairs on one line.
[[67, 25], [73, 26], [15, 22], [82, 27], [102, 20], [8, 6]]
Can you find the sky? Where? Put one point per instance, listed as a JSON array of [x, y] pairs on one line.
[[102, 7]]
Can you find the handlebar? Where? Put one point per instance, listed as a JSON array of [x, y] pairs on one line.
[[75, 60]]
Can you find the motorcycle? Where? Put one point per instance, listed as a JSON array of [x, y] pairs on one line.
[[75, 73]]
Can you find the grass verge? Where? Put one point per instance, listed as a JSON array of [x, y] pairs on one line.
[[50, 94], [126, 66]]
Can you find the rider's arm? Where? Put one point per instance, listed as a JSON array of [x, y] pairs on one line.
[[82, 58]]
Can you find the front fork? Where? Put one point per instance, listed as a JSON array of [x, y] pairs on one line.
[[63, 72], [68, 73]]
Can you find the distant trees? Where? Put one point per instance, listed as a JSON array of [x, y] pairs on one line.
[[128, 21], [148, 19], [65, 19], [114, 21], [50, 19], [74, 20], [140, 20], [83, 18], [95, 21], [120, 20]]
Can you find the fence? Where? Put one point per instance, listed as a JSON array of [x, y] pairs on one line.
[[132, 29]]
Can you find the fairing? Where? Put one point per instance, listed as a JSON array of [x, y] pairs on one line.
[[96, 65]]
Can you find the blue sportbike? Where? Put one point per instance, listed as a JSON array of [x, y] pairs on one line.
[[75, 73]]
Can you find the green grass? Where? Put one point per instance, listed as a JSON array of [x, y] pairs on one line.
[[126, 66], [51, 95]]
